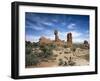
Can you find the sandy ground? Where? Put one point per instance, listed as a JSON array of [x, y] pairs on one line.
[[65, 54], [78, 61]]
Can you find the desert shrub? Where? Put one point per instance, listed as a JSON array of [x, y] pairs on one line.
[[31, 59], [71, 63], [55, 55], [73, 49], [60, 53], [28, 49], [28, 44], [46, 51], [78, 45], [65, 64], [52, 46], [35, 44], [53, 58], [44, 60], [66, 57], [60, 62], [66, 52]]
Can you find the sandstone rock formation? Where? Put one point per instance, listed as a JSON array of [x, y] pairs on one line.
[[86, 44], [56, 35], [57, 41], [44, 41], [69, 40]]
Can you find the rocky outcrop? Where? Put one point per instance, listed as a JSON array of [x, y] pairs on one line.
[[86, 44], [44, 41], [69, 40], [56, 35], [57, 41]]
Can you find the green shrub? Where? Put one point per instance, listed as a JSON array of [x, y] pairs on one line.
[[47, 51], [31, 59], [35, 44], [28, 50]]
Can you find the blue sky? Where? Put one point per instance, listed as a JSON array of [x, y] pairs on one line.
[[44, 24]]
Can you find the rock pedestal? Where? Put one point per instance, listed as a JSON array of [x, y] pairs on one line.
[[56, 35], [57, 41], [69, 40]]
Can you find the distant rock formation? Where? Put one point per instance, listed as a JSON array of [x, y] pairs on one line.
[[57, 41], [44, 41], [56, 35], [86, 44], [69, 40]]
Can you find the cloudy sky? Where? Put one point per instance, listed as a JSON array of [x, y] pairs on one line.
[[44, 24]]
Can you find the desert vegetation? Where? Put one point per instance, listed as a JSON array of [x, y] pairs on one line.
[[36, 54], [51, 55]]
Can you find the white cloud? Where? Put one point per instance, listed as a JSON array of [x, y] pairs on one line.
[[79, 37], [55, 20], [51, 37], [63, 23], [80, 40], [71, 26], [36, 27], [47, 23], [62, 35], [32, 38], [49, 34], [76, 34]]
